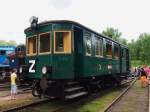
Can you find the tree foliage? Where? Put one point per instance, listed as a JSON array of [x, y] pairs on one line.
[[115, 35], [140, 49], [8, 43]]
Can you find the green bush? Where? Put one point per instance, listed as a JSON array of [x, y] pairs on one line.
[[136, 63]]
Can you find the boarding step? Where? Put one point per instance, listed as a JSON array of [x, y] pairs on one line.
[[72, 83], [76, 95], [73, 89]]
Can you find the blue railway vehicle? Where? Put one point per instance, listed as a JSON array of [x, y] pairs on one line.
[[7, 60], [11, 57]]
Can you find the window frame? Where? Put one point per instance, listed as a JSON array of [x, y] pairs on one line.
[[27, 38], [127, 54], [123, 53], [50, 50], [101, 45], [90, 37], [109, 56], [117, 46], [58, 52]]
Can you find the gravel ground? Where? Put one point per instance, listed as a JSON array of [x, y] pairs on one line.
[[21, 99], [136, 100]]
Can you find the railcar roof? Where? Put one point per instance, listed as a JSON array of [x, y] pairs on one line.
[[8, 48], [77, 24]]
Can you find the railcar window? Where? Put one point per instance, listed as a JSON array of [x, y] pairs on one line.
[[45, 43], [109, 50], [98, 47], [123, 53], [2, 52], [31, 45], [88, 43], [116, 51], [127, 54], [62, 42]]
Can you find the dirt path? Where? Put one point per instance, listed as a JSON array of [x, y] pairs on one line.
[[22, 99], [136, 100]]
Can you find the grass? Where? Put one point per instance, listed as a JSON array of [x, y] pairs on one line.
[[93, 105], [98, 104], [136, 63]]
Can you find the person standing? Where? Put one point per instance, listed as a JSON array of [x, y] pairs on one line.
[[143, 78], [13, 84]]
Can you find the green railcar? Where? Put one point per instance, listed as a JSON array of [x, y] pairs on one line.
[[60, 52]]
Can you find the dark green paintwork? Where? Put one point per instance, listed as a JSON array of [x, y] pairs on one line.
[[76, 64]]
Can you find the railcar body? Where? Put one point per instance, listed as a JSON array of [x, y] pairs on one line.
[[7, 61], [10, 59], [62, 51]]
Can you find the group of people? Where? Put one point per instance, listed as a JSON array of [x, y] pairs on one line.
[[143, 73]]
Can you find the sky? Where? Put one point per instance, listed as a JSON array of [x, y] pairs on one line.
[[131, 17]]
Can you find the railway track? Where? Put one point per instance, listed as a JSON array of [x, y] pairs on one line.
[[118, 98], [62, 109], [21, 89], [27, 105], [59, 108], [134, 98], [6, 86]]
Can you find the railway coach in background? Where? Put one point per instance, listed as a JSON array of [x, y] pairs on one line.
[[11, 57], [66, 59], [7, 61]]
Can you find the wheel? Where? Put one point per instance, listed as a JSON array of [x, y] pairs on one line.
[[36, 89]]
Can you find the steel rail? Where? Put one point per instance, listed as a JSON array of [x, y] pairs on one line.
[[27, 105], [59, 109], [120, 96]]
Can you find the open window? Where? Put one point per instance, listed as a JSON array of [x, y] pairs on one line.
[[62, 42], [2, 52], [88, 41], [98, 47], [123, 52], [127, 54], [31, 45], [116, 51], [109, 49], [45, 43]]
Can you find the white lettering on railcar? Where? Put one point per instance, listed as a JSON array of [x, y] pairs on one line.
[[100, 67], [31, 68]]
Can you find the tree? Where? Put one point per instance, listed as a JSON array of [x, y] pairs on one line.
[[9, 43], [115, 35], [123, 41], [3, 43], [144, 53], [139, 49], [112, 33]]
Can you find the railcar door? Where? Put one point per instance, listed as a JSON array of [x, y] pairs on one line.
[[63, 63], [78, 51]]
